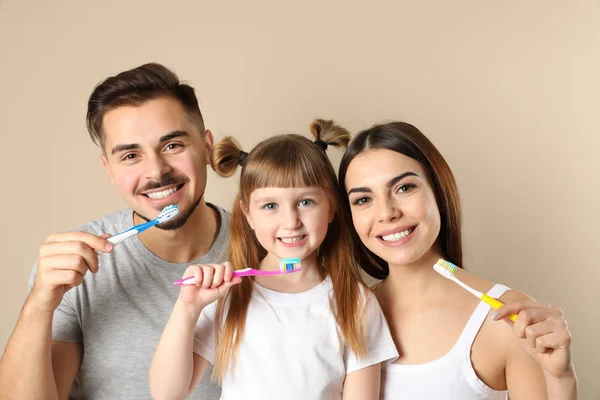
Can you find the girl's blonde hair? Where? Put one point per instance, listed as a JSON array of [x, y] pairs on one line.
[[288, 160]]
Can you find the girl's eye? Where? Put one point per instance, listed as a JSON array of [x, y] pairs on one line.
[[406, 188], [269, 206], [306, 203], [361, 201]]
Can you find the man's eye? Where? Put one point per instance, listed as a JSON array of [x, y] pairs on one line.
[[172, 146]]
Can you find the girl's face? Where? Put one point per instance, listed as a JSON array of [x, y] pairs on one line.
[[393, 205], [289, 222]]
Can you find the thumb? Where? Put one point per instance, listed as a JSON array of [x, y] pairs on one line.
[[105, 235], [232, 282]]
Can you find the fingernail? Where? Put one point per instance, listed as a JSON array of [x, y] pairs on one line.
[[108, 246], [495, 315]]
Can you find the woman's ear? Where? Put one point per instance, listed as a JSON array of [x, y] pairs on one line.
[[246, 214]]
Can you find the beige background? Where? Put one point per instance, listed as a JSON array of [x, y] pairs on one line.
[[508, 91]]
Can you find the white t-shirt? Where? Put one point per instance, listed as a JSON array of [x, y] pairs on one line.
[[291, 347]]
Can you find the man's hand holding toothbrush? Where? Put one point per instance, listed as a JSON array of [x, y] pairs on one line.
[[63, 261]]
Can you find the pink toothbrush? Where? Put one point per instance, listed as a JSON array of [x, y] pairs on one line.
[[286, 266]]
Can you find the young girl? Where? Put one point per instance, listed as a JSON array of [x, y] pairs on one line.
[[313, 334], [405, 209]]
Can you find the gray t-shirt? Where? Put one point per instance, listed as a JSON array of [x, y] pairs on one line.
[[119, 314]]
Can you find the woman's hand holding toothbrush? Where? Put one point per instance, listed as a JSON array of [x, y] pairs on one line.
[[543, 331], [63, 261], [212, 281]]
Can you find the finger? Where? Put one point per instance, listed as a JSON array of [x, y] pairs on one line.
[[232, 282], [71, 248], [207, 273], [65, 277], [218, 276], [532, 316], [513, 308], [228, 272], [532, 332], [226, 285], [68, 262], [189, 271], [105, 235], [556, 340], [198, 276], [95, 242]]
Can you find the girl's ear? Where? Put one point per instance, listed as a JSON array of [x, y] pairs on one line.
[[246, 214]]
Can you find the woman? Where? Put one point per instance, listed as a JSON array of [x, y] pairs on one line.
[[406, 213]]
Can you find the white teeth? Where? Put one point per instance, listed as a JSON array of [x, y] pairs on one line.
[[397, 236], [161, 195], [290, 240]]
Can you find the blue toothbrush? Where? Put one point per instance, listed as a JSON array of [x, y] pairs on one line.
[[167, 213]]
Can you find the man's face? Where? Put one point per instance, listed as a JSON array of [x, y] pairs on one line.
[[156, 156]]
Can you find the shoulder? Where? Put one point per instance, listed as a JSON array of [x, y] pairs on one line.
[[484, 285], [223, 213], [369, 303]]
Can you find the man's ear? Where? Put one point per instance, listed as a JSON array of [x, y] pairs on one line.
[[209, 144], [105, 165], [246, 214]]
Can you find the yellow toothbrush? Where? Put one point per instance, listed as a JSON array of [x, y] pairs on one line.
[[447, 270]]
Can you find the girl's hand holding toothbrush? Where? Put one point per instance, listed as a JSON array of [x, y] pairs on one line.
[[212, 281], [63, 261], [545, 333]]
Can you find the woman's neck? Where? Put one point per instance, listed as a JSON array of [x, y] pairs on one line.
[[414, 283]]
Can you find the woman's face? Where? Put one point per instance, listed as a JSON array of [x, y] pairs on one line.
[[393, 205]]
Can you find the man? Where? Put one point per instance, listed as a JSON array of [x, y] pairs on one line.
[[95, 312]]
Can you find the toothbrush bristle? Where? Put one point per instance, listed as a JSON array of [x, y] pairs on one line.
[[167, 213], [118, 239], [290, 264], [447, 264]]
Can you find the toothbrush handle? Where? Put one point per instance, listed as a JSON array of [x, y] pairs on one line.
[[496, 304], [118, 238], [255, 272], [245, 272]]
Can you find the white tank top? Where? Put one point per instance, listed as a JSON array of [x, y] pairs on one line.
[[450, 377]]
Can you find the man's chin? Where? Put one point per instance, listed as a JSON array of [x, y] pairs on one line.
[[180, 220], [173, 224]]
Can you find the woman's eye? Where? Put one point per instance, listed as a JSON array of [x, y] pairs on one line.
[[406, 188], [361, 201]]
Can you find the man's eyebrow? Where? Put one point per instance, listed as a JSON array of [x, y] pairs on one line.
[[124, 147], [173, 135], [133, 146]]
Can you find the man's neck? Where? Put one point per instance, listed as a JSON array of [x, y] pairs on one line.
[[188, 243]]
